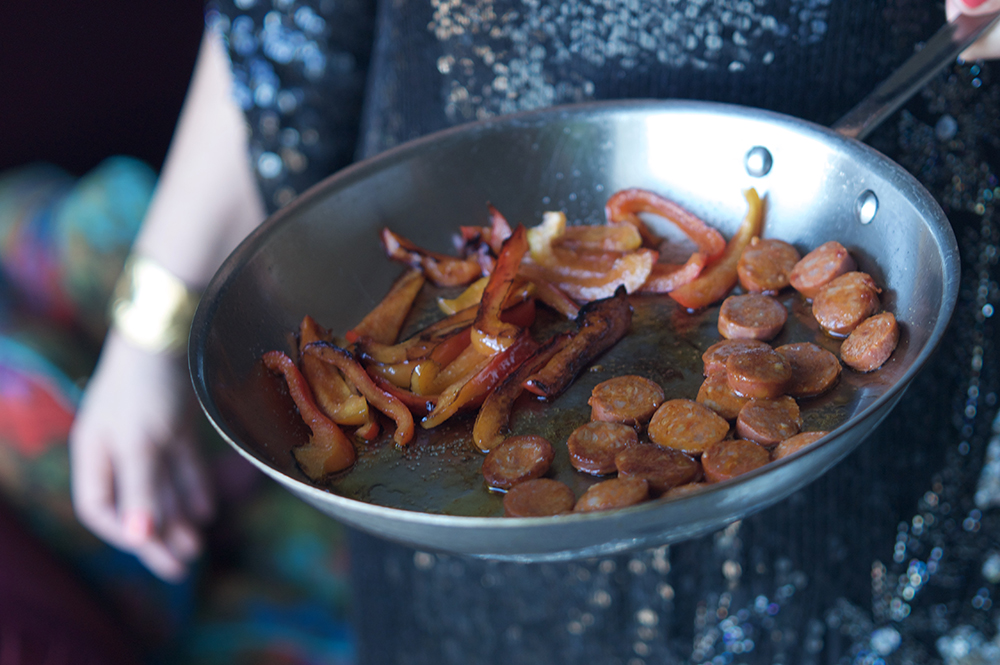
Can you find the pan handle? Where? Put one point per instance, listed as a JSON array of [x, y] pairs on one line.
[[938, 52]]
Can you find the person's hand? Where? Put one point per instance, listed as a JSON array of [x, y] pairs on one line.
[[988, 46], [137, 479]]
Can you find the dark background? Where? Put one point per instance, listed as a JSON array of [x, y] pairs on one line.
[[80, 81]]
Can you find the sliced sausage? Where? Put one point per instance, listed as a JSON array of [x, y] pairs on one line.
[[769, 421], [871, 343], [751, 316], [613, 493], [662, 468], [845, 302], [539, 497], [715, 356], [814, 369], [819, 267], [684, 490], [716, 394], [765, 265], [796, 443], [686, 425], [630, 400], [758, 373], [733, 457], [516, 460], [592, 447]]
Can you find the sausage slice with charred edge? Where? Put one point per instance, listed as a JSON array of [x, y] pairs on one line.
[[593, 447], [769, 421], [758, 373], [728, 459], [814, 369], [871, 343], [819, 267], [796, 443], [751, 316], [765, 265], [539, 497], [686, 425], [613, 493], [629, 399], [516, 460], [715, 356], [662, 468], [845, 302]]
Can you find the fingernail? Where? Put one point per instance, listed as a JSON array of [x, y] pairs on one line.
[[972, 4], [138, 526]]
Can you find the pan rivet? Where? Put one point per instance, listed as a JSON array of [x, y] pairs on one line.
[[866, 207], [758, 161]]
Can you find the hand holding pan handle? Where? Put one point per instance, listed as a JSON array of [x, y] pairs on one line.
[[940, 50]]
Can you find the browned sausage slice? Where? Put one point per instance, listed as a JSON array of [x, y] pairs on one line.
[[844, 303], [686, 425], [751, 316], [613, 493], [517, 459], [758, 373], [871, 343], [769, 421], [733, 457], [684, 490], [814, 369], [765, 265], [716, 394], [662, 468], [629, 399], [819, 267], [539, 497], [796, 443], [715, 356], [592, 447]]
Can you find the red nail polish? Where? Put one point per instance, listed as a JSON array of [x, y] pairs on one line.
[[972, 4]]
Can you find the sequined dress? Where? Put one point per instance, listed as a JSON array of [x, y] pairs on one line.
[[894, 555]]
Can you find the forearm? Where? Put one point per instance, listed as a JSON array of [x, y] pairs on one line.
[[207, 198]]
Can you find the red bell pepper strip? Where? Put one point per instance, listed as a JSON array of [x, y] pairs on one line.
[[716, 280], [471, 391], [599, 327], [383, 323], [328, 450], [417, 404], [489, 333], [441, 269], [494, 415], [380, 399], [556, 298], [624, 206], [499, 229], [666, 277]]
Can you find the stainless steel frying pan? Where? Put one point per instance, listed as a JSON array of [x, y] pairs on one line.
[[320, 256]]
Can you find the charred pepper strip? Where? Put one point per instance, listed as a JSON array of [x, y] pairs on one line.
[[489, 333], [719, 277], [417, 404], [383, 323], [599, 327], [624, 206], [380, 399], [471, 391], [441, 269], [339, 401], [328, 450], [490, 429]]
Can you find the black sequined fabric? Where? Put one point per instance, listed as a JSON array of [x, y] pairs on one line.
[[891, 557]]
